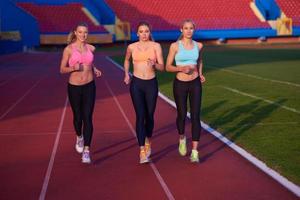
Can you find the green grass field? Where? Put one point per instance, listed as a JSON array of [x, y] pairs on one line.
[[252, 96]]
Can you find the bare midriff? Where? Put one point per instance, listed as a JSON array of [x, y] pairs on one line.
[[143, 70], [82, 77], [188, 77]]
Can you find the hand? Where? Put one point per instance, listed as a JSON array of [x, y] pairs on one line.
[[78, 67], [202, 78], [126, 79], [192, 69], [97, 72], [186, 69], [151, 62]]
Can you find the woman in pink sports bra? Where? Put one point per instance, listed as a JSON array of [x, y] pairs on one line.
[[146, 58], [77, 60]]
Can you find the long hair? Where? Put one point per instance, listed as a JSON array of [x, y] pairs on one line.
[[144, 23], [182, 24], [72, 37]]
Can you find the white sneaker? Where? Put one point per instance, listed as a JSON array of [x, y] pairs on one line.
[[79, 144], [86, 157]]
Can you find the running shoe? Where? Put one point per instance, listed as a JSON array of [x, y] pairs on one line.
[[194, 156], [143, 157], [86, 157], [147, 148], [182, 147], [79, 144]]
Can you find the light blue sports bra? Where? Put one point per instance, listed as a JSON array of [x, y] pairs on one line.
[[187, 56]]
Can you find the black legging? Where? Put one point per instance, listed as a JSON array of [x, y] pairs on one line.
[[82, 100], [182, 90], [144, 95]]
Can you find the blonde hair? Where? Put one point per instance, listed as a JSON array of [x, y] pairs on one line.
[[144, 23], [182, 24], [72, 37]]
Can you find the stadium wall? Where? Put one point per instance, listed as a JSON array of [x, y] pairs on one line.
[[213, 34], [296, 31], [15, 20]]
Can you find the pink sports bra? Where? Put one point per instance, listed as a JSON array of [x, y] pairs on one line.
[[85, 58]]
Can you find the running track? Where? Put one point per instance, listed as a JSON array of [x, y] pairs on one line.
[[38, 159]]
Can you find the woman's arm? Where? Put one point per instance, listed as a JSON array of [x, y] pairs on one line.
[[159, 63], [97, 72], [64, 68], [200, 62], [64, 62], [92, 48], [127, 64]]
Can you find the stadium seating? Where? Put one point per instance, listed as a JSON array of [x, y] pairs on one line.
[[291, 9], [207, 14], [59, 18]]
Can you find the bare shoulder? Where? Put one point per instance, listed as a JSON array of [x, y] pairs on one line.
[[67, 49], [156, 45], [200, 45], [131, 46], [91, 47], [174, 46]]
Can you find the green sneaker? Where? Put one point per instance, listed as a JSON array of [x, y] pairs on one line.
[[194, 156], [182, 147]]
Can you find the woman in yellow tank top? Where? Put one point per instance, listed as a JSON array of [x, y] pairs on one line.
[[146, 58]]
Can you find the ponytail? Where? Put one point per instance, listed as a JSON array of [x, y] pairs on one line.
[[71, 37]]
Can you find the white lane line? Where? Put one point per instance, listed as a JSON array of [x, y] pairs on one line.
[[255, 161], [254, 76], [19, 100], [260, 98], [155, 170], [53, 154]]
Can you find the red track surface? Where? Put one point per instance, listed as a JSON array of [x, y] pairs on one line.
[[30, 114]]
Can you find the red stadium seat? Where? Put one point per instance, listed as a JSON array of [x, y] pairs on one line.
[[207, 14], [59, 18]]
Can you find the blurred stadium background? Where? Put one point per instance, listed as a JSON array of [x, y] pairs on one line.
[[27, 24]]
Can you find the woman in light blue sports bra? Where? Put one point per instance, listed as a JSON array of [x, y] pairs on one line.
[[188, 84]]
